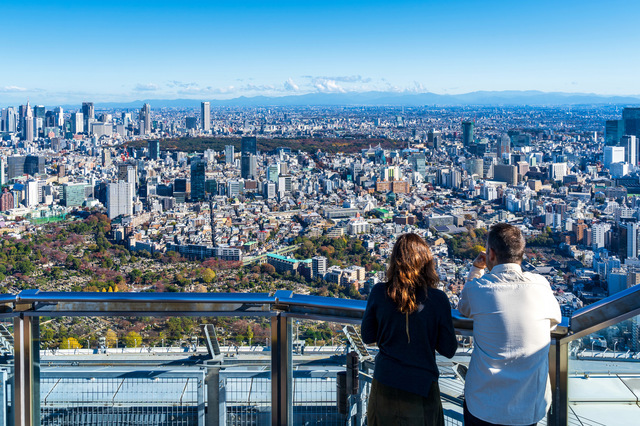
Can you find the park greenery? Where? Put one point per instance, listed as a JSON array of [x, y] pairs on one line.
[[309, 144], [467, 245]]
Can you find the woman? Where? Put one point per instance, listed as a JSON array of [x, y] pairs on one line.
[[409, 319]]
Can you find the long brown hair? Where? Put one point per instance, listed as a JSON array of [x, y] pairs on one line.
[[411, 267]]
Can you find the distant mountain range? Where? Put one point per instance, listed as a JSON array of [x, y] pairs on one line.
[[482, 98]]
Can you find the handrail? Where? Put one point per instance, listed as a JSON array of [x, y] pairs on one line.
[[47, 297], [604, 313], [590, 319]]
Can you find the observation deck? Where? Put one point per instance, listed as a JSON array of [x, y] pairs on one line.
[[594, 364]]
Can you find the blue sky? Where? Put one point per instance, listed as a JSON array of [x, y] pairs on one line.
[[65, 52]]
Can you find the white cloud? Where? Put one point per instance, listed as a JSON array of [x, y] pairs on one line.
[[290, 86], [327, 86], [148, 87], [12, 89]]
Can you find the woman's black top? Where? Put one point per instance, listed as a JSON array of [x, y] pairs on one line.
[[408, 343]]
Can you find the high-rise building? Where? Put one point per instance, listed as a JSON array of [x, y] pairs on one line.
[[631, 118], [198, 178], [503, 146], [234, 187], [88, 114], [73, 195], [39, 111], [32, 198], [269, 190], [58, 114], [475, 166], [119, 199], [205, 116], [7, 201], [557, 171], [434, 138], [34, 164], [273, 171], [191, 123], [9, 120], [613, 154], [467, 133], [154, 150], [614, 129], [77, 123], [27, 128], [145, 119], [248, 166], [598, 232], [319, 266], [249, 145], [418, 164], [128, 173], [505, 173], [284, 185], [229, 154], [630, 149]]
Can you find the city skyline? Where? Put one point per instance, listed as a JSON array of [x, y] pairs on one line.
[[221, 51]]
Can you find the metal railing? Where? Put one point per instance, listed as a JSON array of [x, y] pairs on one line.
[[282, 308]]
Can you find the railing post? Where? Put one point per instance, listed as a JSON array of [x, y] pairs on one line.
[[213, 396], [27, 370], [559, 377], [281, 371]]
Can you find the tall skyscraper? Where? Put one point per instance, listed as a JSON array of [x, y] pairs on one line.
[[154, 149], [503, 145], [9, 120], [198, 177], [28, 129], [249, 145], [77, 123], [119, 199], [229, 153], [88, 114], [630, 149], [467, 133], [145, 119], [205, 115], [613, 131], [58, 113], [631, 118], [249, 166]]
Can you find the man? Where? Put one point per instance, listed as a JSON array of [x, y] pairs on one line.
[[513, 313]]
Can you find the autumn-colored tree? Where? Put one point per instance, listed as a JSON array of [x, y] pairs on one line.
[[111, 338], [208, 275], [132, 339], [70, 343], [249, 333]]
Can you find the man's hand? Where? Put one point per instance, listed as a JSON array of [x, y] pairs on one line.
[[480, 261]]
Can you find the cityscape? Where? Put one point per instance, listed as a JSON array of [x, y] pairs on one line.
[[197, 200]]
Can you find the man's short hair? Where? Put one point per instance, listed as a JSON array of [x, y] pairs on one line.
[[507, 242]]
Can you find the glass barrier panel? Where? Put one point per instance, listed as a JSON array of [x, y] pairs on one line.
[[6, 371], [175, 370], [604, 376]]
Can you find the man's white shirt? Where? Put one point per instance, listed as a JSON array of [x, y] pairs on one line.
[[513, 313]]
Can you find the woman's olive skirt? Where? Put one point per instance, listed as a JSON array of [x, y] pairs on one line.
[[395, 407]]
